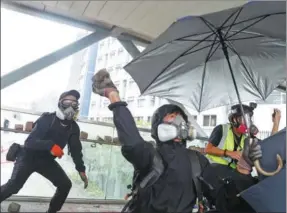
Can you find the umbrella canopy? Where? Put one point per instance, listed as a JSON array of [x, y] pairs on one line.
[[268, 195], [272, 146], [187, 63]]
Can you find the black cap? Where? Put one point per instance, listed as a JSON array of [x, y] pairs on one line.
[[74, 93]]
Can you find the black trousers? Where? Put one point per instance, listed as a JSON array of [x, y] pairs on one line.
[[224, 194], [25, 165]]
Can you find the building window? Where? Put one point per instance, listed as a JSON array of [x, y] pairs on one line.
[[110, 69], [283, 98], [93, 105], [113, 40], [105, 103], [130, 100], [194, 117], [102, 44], [152, 101], [149, 119], [132, 84], [141, 102], [106, 119], [100, 59], [112, 54], [209, 120], [106, 56], [120, 50], [117, 69], [124, 89], [117, 84], [139, 118]]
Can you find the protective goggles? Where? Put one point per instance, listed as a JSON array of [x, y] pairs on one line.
[[66, 103]]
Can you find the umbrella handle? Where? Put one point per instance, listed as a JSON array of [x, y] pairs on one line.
[[263, 172]]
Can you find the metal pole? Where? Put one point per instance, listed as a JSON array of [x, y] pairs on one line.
[[225, 52], [39, 64], [130, 47]]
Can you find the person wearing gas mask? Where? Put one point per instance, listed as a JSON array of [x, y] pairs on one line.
[[224, 184], [163, 180], [226, 141], [49, 136]]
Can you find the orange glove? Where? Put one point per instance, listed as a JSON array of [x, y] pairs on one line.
[[57, 151]]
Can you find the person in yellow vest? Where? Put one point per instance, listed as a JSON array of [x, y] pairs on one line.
[[226, 141]]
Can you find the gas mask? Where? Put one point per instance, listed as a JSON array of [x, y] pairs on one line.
[[243, 123], [242, 127], [177, 128], [67, 109]]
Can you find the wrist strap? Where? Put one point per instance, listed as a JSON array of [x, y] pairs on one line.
[[224, 154]]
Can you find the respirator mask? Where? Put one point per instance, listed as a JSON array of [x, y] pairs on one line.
[[240, 125], [176, 129], [243, 123], [243, 128], [67, 109]]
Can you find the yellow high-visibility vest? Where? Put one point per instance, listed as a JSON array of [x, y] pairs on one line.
[[226, 143]]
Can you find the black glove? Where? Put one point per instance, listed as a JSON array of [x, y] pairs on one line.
[[84, 179], [251, 150], [102, 83]]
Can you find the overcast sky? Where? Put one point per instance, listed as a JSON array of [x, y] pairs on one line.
[[25, 38]]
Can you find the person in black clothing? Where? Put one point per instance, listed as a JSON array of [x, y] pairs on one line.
[[174, 191], [50, 134]]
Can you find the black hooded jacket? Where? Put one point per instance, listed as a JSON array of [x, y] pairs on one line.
[[174, 190], [47, 132]]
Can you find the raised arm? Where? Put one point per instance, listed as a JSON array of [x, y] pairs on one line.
[[276, 117], [134, 148]]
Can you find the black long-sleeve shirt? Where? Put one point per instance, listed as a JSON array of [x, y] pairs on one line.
[[174, 191], [48, 131]]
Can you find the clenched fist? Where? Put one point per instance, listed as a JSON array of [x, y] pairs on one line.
[[251, 150], [102, 83]]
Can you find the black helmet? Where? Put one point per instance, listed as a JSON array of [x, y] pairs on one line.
[[160, 113], [236, 110]]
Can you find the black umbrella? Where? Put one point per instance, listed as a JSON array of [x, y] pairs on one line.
[[198, 61], [272, 146], [269, 195]]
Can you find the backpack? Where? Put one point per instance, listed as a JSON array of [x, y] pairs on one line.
[[155, 173]]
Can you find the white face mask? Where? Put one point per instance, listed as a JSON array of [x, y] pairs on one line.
[[177, 129], [67, 114], [166, 132]]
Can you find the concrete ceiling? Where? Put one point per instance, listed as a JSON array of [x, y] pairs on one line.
[[145, 19]]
